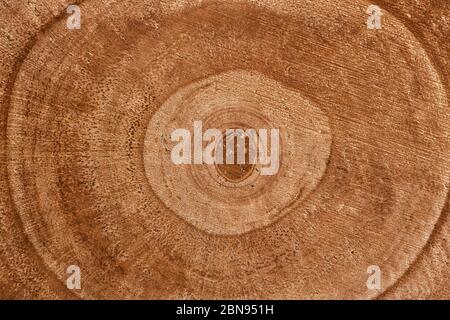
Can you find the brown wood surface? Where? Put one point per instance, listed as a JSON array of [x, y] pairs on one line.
[[85, 171]]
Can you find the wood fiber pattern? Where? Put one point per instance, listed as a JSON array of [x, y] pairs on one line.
[[85, 176]]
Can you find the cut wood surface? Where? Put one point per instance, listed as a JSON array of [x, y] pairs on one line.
[[86, 176]]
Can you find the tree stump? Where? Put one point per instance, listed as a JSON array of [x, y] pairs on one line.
[[87, 178]]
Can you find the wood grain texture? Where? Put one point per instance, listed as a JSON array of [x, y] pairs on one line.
[[85, 171]]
